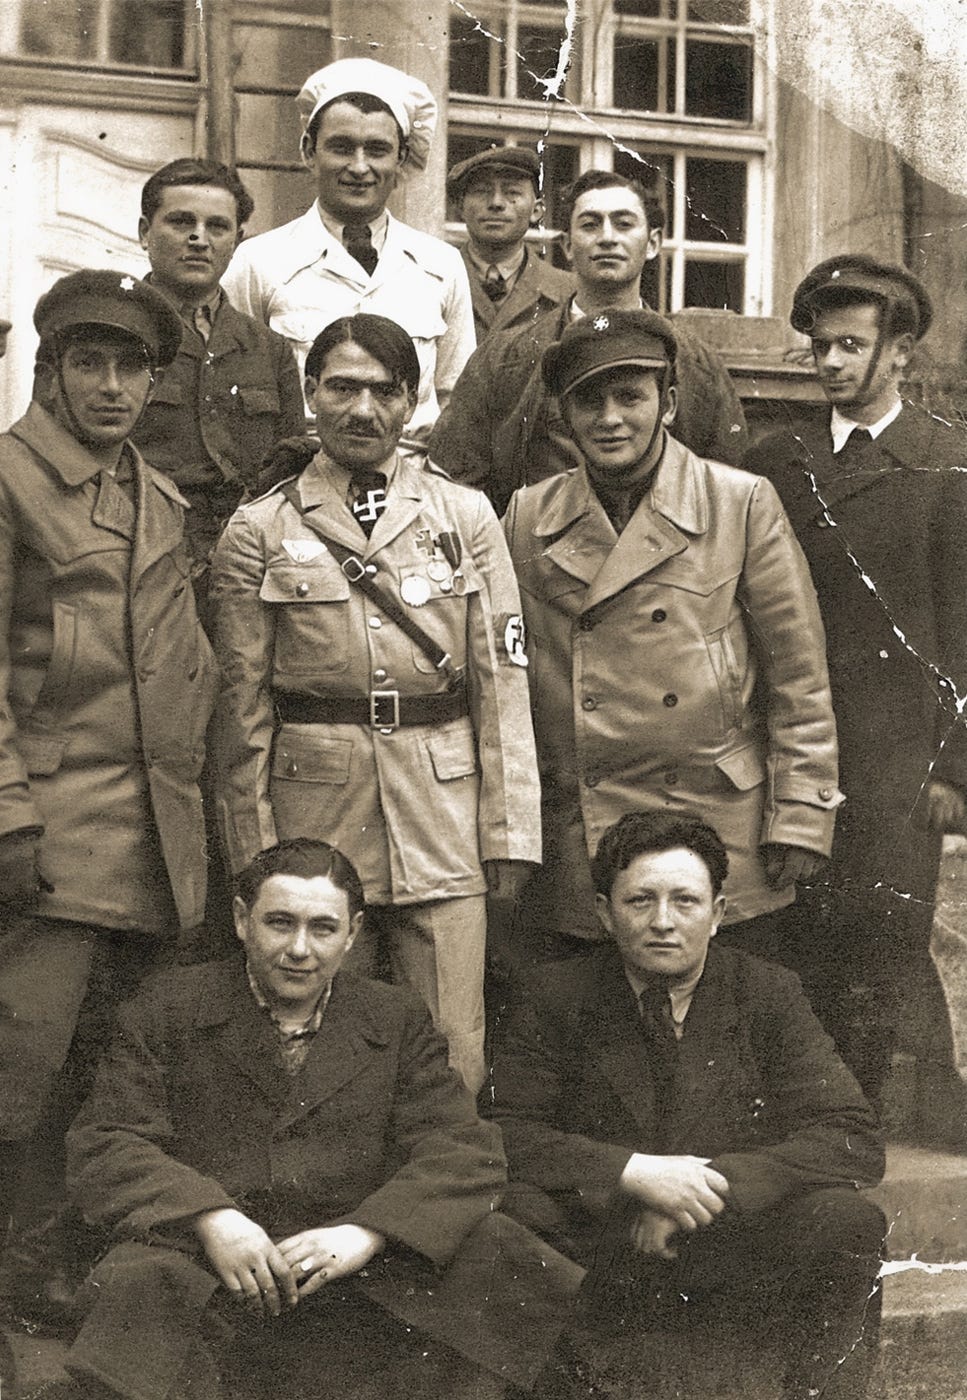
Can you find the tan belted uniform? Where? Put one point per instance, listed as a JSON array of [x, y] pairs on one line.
[[679, 666], [416, 807]]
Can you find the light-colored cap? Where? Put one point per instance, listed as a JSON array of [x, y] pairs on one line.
[[408, 98]]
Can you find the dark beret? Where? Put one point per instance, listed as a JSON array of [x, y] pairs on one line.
[[520, 160], [605, 341], [857, 273], [114, 299]]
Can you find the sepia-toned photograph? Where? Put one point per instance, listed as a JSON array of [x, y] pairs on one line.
[[483, 700]]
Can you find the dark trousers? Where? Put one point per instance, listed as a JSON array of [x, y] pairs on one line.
[[162, 1328], [783, 1303]]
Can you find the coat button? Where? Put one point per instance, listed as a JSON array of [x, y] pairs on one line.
[[379, 675], [591, 780], [302, 589], [659, 615], [669, 700], [586, 623], [375, 622], [589, 703], [825, 794], [291, 768]]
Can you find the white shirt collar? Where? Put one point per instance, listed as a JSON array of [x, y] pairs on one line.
[[508, 268], [377, 227], [840, 426]]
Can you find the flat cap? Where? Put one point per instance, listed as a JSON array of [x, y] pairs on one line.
[[857, 273], [519, 160], [409, 99], [605, 341], [115, 299]]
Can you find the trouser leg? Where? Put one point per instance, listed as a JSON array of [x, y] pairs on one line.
[[438, 949]]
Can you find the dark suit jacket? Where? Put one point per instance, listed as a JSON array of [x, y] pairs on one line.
[[500, 429], [192, 1112], [891, 575], [540, 286], [759, 1089]]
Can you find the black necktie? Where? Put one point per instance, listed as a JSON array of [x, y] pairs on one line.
[[854, 444], [370, 502], [658, 1027], [358, 244], [494, 284]]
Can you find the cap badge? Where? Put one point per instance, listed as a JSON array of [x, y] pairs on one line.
[[601, 323], [126, 284]]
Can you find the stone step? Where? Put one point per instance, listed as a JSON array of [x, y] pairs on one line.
[[924, 1198], [923, 1347]]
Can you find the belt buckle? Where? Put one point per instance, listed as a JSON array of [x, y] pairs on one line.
[[384, 709], [354, 568]]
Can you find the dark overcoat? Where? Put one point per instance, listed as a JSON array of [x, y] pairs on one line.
[[193, 1112], [886, 543], [501, 430], [758, 1089]]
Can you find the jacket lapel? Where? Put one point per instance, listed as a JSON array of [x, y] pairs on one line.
[[245, 1035], [710, 1029], [158, 528], [617, 1046], [325, 507], [345, 1043], [405, 504], [581, 535], [675, 509]]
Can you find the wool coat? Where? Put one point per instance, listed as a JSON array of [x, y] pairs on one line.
[[501, 430], [680, 667], [419, 808], [540, 286], [758, 1089], [192, 1111], [886, 542], [108, 683]]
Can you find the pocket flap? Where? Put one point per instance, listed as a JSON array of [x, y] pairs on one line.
[[304, 583], [256, 400], [304, 758], [41, 753], [453, 754], [745, 768]]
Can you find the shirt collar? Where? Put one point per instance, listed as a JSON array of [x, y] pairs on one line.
[[321, 466], [377, 227], [508, 267], [290, 1025], [840, 426], [681, 993]]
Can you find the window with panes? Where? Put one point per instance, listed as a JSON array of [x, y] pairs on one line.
[[669, 91]]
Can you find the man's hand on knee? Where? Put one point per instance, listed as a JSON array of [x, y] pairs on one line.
[[686, 1189], [243, 1256], [317, 1257]]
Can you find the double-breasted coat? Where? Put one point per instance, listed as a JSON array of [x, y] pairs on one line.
[[502, 430], [678, 667], [758, 1089], [192, 1111], [539, 287], [419, 808], [108, 684]]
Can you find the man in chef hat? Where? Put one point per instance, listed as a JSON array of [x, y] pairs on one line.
[[366, 126]]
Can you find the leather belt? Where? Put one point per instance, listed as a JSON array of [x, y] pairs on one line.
[[381, 709]]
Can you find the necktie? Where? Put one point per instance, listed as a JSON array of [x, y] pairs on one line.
[[201, 319], [370, 499], [358, 243], [854, 444], [658, 1027], [494, 284]]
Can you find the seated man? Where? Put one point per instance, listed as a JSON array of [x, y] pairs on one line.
[[283, 1156], [675, 1117]]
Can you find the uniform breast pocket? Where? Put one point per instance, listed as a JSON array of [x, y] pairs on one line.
[[312, 624], [444, 617], [258, 401]]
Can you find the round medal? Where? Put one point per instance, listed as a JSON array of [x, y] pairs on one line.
[[438, 569], [415, 590], [459, 583], [446, 585]]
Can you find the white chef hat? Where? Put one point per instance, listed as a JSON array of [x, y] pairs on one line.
[[408, 98]]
